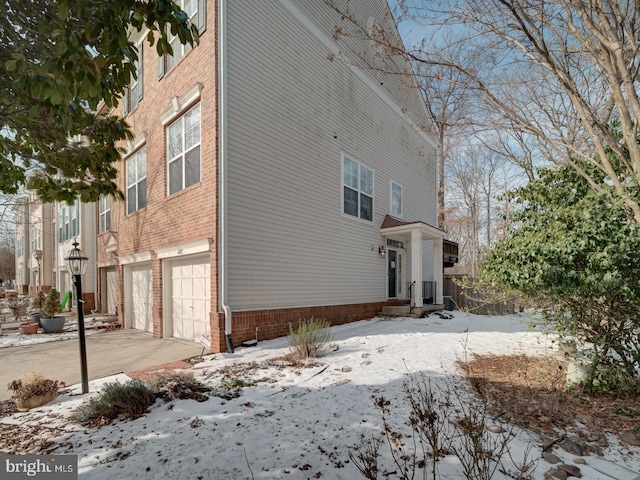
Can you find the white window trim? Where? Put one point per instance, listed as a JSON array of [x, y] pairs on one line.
[[103, 213], [137, 182], [342, 185], [180, 105], [396, 214], [184, 152]]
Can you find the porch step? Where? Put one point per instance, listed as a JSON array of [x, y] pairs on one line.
[[404, 310]]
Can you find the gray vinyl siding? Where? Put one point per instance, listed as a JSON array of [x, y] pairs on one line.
[[289, 243]]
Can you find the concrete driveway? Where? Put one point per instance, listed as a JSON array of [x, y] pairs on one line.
[[118, 351]]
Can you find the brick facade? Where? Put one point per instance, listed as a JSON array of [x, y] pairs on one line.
[[275, 323]]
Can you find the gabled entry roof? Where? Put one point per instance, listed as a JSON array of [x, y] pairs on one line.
[[401, 230]]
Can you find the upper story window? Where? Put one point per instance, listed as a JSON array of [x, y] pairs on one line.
[[196, 10], [183, 151], [133, 93], [357, 191], [137, 181], [19, 246], [396, 199], [35, 237], [104, 212], [68, 221]]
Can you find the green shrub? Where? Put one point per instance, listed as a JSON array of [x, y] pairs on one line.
[[130, 400], [51, 305], [309, 338]]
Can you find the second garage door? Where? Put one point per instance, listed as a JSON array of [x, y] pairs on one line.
[[141, 298], [190, 297]]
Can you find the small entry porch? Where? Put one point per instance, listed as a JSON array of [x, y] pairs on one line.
[[424, 289]]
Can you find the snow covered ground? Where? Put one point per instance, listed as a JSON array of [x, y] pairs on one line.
[[93, 325], [299, 422]]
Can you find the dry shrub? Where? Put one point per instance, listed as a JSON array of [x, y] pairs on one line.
[[32, 385], [180, 385], [129, 400], [309, 338]]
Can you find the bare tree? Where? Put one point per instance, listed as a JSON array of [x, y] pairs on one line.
[[577, 59], [563, 72]]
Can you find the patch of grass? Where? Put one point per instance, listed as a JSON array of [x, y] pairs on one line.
[[129, 400], [309, 338]]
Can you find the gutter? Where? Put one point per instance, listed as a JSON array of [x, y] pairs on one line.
[[222, 172]]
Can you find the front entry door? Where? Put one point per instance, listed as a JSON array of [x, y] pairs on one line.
[[392, 273], [395, 273]]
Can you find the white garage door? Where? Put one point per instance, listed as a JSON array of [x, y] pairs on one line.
[[112, 290], [141, 298], [190, 297]]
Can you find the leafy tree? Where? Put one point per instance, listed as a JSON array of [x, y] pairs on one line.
[[60, 61], [576, 248]]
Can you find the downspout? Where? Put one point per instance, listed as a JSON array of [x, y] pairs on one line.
[[222, 170]]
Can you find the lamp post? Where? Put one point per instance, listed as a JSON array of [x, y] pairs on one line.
[[77, 265]]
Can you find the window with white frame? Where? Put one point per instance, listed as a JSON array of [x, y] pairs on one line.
[[133, 93], [35, 237], [183, 151], [196, 12], [357, 191], [104, 212], [19, 246], [137, 181], [68, 221], [396, 199]]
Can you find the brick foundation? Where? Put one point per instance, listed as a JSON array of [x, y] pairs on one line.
[[275, 323]]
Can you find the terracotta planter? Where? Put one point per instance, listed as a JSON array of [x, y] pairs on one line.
[[23, 404], [29, 329], [52, 324]]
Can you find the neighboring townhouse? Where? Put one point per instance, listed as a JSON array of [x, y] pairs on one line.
[[44, 236], [269, 180], [75, 223], [21, 214], [42, 245]]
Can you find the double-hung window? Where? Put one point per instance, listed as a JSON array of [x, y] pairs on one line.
[[396, 199], [104, 211], [196, 12], [68, 221], [357, 189], [133, 93], [137, 181], [183, 151]]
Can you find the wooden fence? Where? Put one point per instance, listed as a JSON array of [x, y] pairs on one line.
[[473, 300]]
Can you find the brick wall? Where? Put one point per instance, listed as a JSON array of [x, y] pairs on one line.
[[190, 214], [275, 323]]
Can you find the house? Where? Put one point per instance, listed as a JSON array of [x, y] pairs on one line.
[[21, 214], [270, 180], [44, 236]]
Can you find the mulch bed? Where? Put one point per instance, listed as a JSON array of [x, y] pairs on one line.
[[530, 392]]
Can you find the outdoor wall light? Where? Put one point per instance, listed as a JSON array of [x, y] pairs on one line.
[[381, 251]]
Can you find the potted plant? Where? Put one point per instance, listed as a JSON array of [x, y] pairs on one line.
[[51, 322], [33, 390], [29, 328], [37, 304]]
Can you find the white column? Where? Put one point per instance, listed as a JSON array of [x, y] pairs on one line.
[[416, 267], [437, 269]]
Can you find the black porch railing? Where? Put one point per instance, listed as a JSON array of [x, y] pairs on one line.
[[428, 292]]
